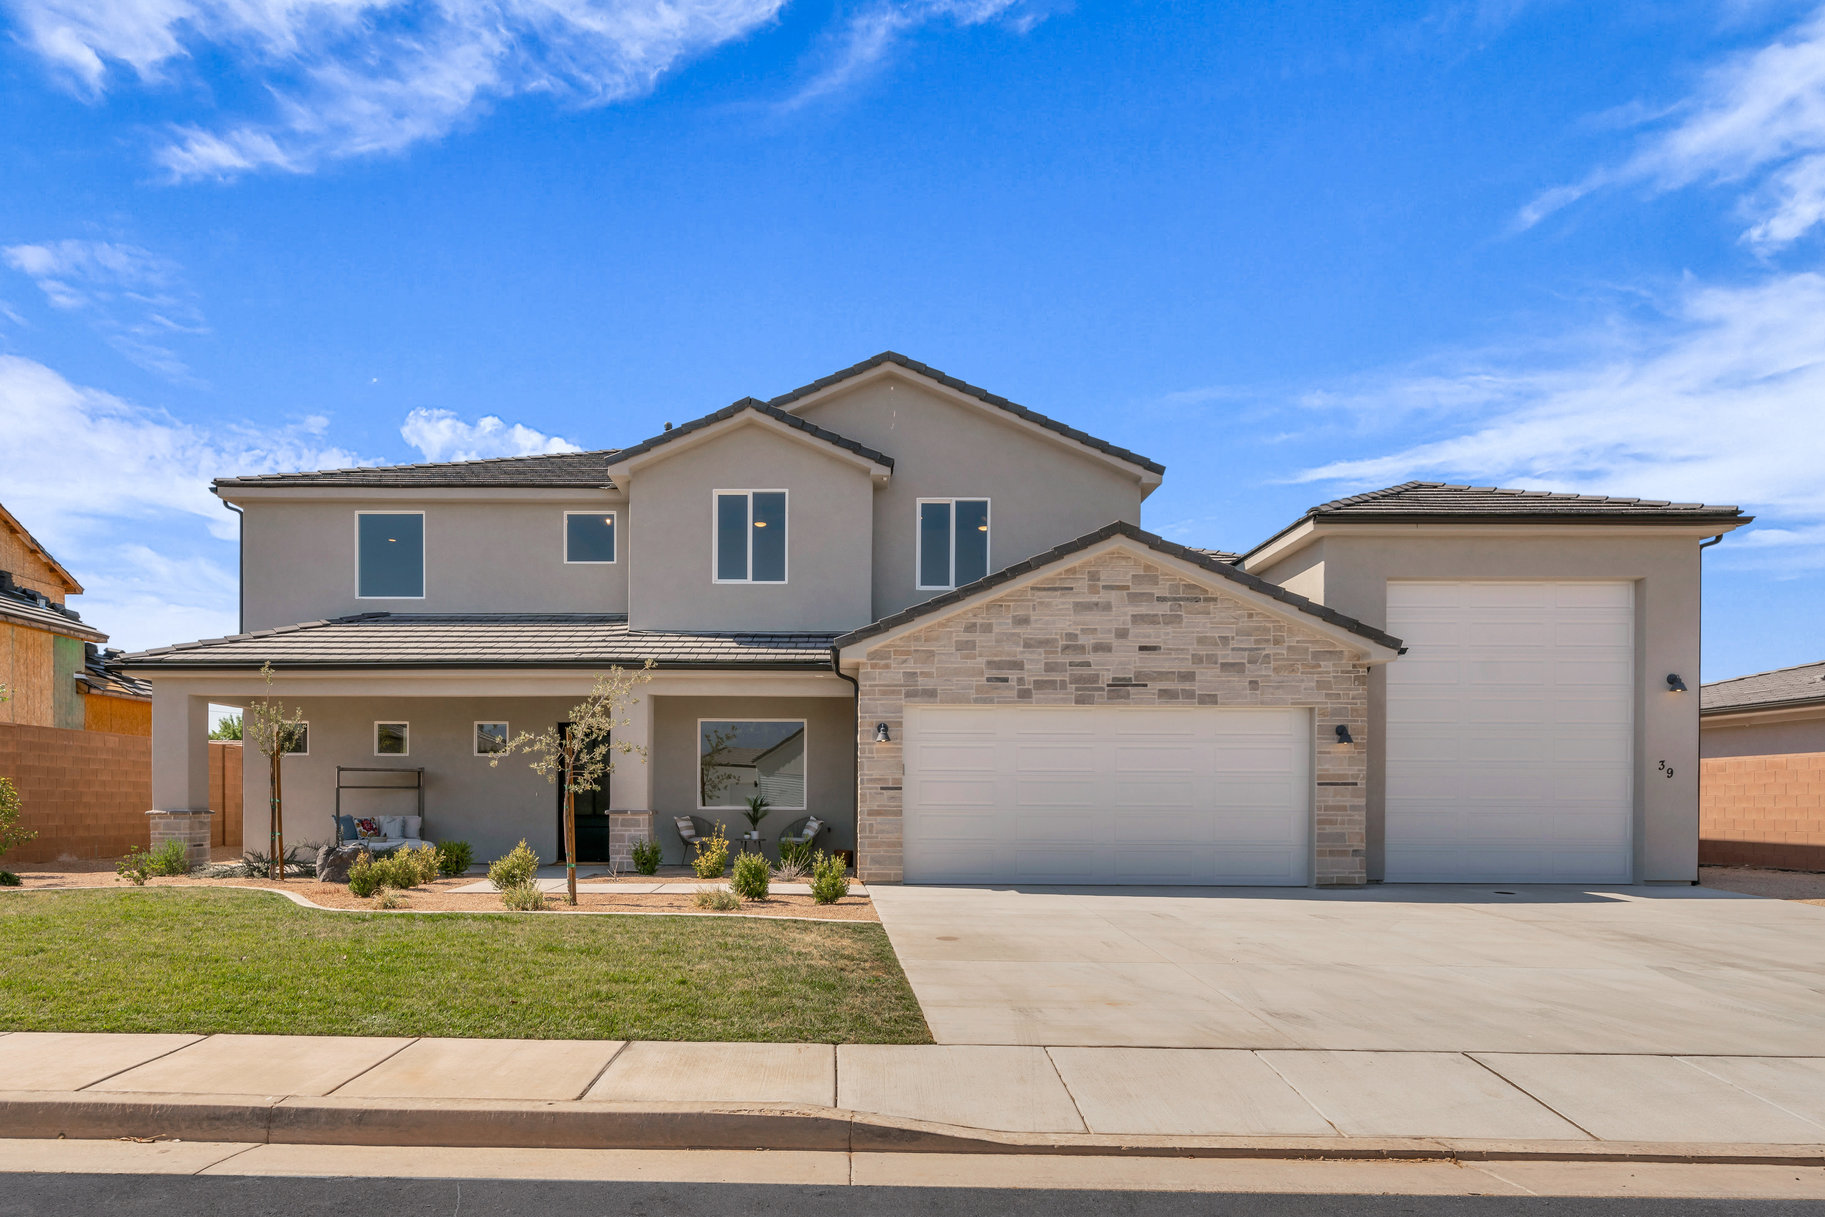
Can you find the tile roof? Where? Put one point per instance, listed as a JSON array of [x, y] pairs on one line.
[[487, 640], [1765, 690], [759, 407], [961, 386], [1436, 499], [22, 606], [1158, 544], [101, 675], [561, 470], [1221, 555]]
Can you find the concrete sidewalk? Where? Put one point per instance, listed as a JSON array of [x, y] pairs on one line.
[[941, 1098]]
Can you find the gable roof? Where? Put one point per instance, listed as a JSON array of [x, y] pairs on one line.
[[1783, 687], [765, 410], [22, 606], [561, 470], [1157, 544], [71, 587], [983, 395]]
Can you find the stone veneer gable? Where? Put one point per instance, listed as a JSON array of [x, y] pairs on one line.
[[1116, 628]]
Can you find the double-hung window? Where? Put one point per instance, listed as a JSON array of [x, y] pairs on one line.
[[953, 542], [390, 555], [750, 536]]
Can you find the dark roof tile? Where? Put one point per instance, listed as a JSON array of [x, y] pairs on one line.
[[759, 407], [1798, 686], [560, 470]]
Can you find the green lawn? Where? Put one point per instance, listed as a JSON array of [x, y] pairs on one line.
[[237, 961]]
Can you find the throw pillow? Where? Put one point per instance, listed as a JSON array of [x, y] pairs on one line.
[[367, 826], [393, 827], [411, 825]]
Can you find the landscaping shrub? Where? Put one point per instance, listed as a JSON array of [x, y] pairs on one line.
[[791, 869], [646, 856], [171, 858], [135, 865], [797, 854], [8, 879], [300, 863], [10, 811], [829, 879], [364, 881], [454, 858], [721, 899], [751, 877], [524, 898], [422, 862], [712, 855], [519, 867], [388, 898]]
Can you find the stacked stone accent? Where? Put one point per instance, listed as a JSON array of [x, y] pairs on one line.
[[1117, 629], [624, 828], [193, 828]]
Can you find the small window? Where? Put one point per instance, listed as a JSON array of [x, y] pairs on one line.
[[750, 536], [589, 536], [490, 738], [300, 742], [392, 739], [740, 759], [953, 542], [390, 555]]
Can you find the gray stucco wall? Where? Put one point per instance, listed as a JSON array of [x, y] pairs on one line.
[[1721, 737], [482, 555], [828, 545], [1041, 492], [829, 765], [1353, 573]]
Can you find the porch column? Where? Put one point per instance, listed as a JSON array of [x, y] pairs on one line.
[[180, 774], [630, 786]]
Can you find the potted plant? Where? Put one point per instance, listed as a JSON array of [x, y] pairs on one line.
[[758, 807]]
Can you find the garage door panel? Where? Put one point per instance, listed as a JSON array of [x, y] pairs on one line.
[[1161, 864]]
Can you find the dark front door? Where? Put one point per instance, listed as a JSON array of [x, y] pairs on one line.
[[592, 818]]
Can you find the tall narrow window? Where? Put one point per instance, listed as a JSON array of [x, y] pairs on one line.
[[589, 536], [390, 555], [953, 542], [750, 536]]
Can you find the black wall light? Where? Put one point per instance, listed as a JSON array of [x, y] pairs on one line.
[[880, 734], [1675, 684], [1343, 734]]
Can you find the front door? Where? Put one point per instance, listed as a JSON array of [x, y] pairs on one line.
[[592, 817]]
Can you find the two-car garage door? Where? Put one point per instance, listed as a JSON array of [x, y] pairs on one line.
[[1082, 794]]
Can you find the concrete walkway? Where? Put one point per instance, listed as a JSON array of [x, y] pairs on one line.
[[1038, 1096]]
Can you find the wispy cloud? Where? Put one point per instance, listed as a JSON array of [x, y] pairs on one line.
[[1757, 121], [1717, 400], [134, 298], [442, 436], [353, 77], [867, 39]]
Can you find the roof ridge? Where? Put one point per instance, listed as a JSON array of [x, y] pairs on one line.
[[766, 410], [480, 460]]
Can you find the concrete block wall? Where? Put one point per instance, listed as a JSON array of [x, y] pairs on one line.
[[225, 792], [1762, 811], [85, 792]]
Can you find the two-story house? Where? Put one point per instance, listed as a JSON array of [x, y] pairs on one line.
[[929, 617]]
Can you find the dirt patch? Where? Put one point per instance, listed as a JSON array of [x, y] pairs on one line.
[[1806, 887]]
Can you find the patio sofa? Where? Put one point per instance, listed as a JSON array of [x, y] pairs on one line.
[[396, 832]]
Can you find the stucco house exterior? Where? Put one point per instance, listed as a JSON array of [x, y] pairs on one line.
[[930, 617]]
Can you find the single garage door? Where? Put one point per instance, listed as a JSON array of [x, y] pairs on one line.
[[1510, 728], [1081, 794]]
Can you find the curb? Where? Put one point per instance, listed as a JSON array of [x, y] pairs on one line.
[[469, 1123]]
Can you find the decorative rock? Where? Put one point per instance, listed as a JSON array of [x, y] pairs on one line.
[[333, 862]]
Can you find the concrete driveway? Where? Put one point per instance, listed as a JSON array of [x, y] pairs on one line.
[[1677, 970]]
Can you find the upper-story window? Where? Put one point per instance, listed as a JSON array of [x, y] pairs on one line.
[[750, 536], [589, 536], [953, 542], [390, 555]]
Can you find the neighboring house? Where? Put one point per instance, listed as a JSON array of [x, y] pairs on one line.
[[1762, 738], [929, 616], [74, 727]]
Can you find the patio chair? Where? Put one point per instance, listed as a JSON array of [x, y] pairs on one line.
[[691, 830], [802, 831]]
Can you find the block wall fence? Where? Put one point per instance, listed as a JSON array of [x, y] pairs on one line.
[[1762, 811]]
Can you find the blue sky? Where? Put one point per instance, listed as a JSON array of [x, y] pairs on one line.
[[1293, 251]]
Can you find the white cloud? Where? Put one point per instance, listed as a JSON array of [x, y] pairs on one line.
[[134, 298], [1757, 121], [869, 36], [1719, 402], [352, 77], [441, 436]]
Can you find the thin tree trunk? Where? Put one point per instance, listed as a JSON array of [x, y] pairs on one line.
[[570, 841], [278, 811], [275, 868]]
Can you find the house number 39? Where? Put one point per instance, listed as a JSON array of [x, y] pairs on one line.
[[1666, 768]]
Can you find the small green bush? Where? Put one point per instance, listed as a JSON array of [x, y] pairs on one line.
[[388, 898], [751, 877], [518, 868], [791, 870], [646, 856], [10, 810], [364, 876], [421, 862], [135, 865], [796, 853], [454, 858], [524, 898], [720, 899], [829, 879], [8, 879], [171, 858], [712, 855]]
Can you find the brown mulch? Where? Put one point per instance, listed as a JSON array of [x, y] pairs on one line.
[[1805, 887]]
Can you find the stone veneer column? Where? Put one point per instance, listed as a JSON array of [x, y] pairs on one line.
[[625, 828], [194, 828]]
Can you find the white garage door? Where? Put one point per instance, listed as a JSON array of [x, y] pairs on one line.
[[1510, 724], [1087, 794]]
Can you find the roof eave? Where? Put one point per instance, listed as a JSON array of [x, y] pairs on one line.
[[1310, 527]]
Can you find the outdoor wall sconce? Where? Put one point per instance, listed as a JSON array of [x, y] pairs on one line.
[[1343, 734], [1675, 684], [880, 734]]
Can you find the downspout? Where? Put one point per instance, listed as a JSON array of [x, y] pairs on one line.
[[240, 574], [855, 736], [1700, 776]]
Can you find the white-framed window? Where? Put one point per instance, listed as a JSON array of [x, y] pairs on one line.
[[953, 542], [392, 739], [748, 536], [738, 758], [491, 738], [589, 537], [300, 742], [390, 555]]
